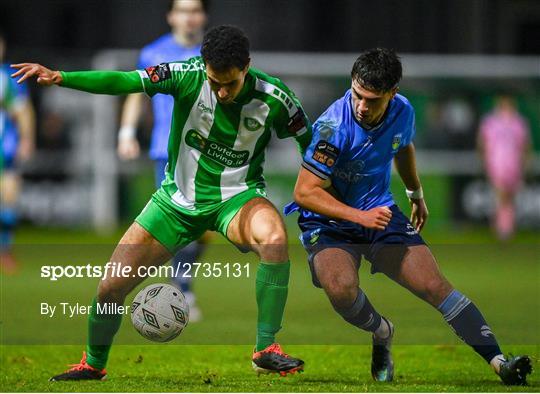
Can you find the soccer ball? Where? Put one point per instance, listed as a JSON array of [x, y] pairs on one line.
[[160, 312]]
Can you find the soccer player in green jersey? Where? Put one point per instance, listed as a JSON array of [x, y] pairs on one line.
[[224, 116]]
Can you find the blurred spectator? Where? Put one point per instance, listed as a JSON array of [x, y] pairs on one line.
[[504, 144], [17, 141]]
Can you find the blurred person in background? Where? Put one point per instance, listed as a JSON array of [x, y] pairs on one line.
[[187, 19], [504, 144], [17, 139]]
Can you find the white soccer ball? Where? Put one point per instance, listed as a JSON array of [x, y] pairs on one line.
[[160, 312]]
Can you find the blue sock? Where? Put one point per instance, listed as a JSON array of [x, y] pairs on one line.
[[181, 263], [361, 314], [469, 324], [8, 220], [180, 268], [6, 239]]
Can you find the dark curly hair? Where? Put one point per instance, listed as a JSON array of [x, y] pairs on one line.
[[378, 69], [224, 47]]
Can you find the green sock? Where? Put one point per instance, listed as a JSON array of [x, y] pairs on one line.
[[272, 286], [101, 331]]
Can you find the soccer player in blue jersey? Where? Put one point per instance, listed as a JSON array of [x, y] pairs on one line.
[[187, 19], [17, 136], [347, 211]]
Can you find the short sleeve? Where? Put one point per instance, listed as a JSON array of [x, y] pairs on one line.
[[410, 129], [326, 148]]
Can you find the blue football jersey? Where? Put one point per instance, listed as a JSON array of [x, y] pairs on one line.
[[358, 161], [164, 49], [11, 95]]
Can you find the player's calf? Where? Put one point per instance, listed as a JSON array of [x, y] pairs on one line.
[[469, 324]]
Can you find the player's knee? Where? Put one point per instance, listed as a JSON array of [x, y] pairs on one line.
[[436, 290], [270, 234], [278, 237], [342, 299], [341, 291]]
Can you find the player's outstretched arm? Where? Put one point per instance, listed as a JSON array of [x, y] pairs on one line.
[[101, 82], [313, 193], [405, 162]]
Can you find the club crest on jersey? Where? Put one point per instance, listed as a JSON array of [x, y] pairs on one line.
[[326, 128], [396, 141], [158, 73], [252, 124], [325, 153]]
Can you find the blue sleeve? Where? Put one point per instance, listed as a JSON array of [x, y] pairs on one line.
[[410, 129], [327, 146]]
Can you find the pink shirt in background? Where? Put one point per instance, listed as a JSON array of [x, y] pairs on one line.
[[505, 137]]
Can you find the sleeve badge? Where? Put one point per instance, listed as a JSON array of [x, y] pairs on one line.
[[158, 73]]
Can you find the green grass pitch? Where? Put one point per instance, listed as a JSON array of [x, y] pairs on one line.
[[214, 354]]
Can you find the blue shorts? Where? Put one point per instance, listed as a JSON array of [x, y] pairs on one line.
[[319, 233], [159, 171], [9, 142]]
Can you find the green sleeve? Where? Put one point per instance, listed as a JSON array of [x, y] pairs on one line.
[[103, 82], [292, 120]]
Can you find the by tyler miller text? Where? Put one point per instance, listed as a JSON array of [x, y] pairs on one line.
[[76, 309]]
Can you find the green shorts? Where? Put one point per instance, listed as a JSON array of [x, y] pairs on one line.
[[175, 227]]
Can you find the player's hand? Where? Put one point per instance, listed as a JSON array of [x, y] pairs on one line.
[[45, 77], [375, 218], [128, 148], [419, 213]]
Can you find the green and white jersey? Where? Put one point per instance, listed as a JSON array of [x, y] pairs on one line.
[[216, 151]]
